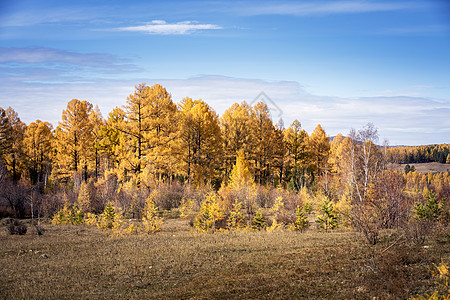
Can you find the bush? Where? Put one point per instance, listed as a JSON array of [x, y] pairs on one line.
[[151, 221], [210, 214], [236, 219], [17, 227], [301, 222], [328, 219], [430, 210], [39, 229], [259, 221], [68, 216]]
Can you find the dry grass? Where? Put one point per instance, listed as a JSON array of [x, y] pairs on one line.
[[433, 167], [73, 262]]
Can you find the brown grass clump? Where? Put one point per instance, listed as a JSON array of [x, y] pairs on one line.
[[16, 227], [81, 262]]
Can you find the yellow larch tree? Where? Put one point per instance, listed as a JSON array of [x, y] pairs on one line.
[[38, 150], [319, 145], [236, 128], [74, 140], [263, 143], [12, 130], [150, 134], [201, 141], [298, 155]]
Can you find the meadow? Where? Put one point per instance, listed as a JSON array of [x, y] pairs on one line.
[[73, 262], [433, 167]]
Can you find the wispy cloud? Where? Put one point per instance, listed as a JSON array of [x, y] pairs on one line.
[[403, 120], [322, 8], [25, 60], [163, 28], [417, 30], [49, 55]]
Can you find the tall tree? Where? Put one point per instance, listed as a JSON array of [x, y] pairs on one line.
[[236, 127], [38, 149], [151, 132], [319, 145], [74, 139], [201, 140], [298, 154], [6, 138], [96, 119], [12, 131], [263, 146]]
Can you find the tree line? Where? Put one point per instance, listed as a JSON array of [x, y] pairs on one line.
[[153, 138], [420, 154], [180, 153]]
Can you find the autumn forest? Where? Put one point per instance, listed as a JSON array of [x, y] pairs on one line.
[[183, 156]]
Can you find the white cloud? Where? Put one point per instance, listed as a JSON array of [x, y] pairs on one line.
[[402, 120], [163, 28], [39, 55], [398, 118]]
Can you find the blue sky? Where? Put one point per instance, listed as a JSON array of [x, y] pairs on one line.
[[338, 63]]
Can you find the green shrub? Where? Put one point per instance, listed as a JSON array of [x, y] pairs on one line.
[[301, 222], [328, 219], [259, 221]]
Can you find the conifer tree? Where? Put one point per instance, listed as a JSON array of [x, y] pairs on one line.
[[12, 130], [236, 220], [237, 133], [201, 140], [210, 213], [319, 145], [108, 217], [74, 140], [301, 222], [150, 130], [151, 220], [37, 143], [263, 151], [328, 219], [84, 200], [259, 221], [240, 174]]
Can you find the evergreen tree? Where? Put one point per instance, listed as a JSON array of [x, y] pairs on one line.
[[259, 221], [151, 220], [301, 222], [236, 219], [328, 219]]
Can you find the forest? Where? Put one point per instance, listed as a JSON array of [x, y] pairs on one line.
[[153, 156]]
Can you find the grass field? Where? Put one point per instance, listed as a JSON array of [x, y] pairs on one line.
[[72, 262], [423, 167]]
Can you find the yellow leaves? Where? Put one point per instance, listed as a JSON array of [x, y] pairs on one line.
[[75, 139], [296, 141], [151, 222], [201, 147], [320, 147], [278, 206], [240, 174], [211, 212], [149, 133]]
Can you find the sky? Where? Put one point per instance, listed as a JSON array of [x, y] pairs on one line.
[[340, 64]]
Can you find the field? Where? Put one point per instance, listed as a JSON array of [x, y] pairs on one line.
[[82, 262], [423, 167]]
